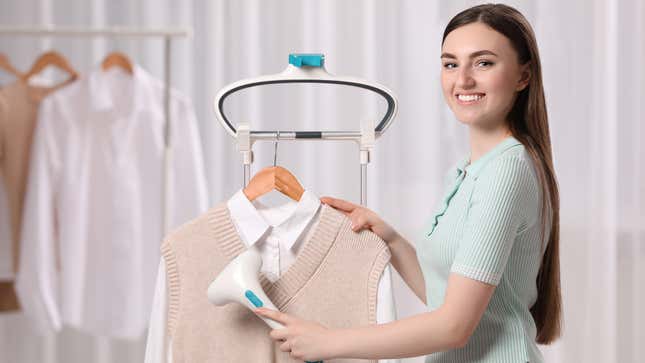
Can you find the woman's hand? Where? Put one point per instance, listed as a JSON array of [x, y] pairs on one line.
[[304, 340], [363, 218]]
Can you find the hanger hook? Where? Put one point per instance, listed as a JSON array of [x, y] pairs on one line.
[[275, 150]]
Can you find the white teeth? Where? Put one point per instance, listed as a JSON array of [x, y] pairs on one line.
[[470, 97]]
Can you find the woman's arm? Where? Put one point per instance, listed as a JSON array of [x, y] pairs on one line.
[[404, 259], [448, 327]]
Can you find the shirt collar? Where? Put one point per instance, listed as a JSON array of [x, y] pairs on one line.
[[102, 98], [252, 226], [475, 168]]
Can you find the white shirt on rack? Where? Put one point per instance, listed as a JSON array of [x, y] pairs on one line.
[[92, 218], [278, 233]]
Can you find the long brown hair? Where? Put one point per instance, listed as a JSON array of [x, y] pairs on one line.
[[528, 123]]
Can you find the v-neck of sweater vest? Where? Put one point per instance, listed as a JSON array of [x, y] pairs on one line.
[[302, 269]]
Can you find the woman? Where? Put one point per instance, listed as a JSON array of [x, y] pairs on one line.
[[487, 265]]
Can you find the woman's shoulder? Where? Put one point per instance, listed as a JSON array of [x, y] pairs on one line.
[[510, 180], [511, 172], [514, 162]]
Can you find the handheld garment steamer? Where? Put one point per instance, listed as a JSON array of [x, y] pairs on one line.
[[238, 282]]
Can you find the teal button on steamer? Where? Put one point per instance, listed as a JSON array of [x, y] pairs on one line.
[[255, 300]]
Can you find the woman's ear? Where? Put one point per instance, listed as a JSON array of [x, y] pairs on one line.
[[525, 76]]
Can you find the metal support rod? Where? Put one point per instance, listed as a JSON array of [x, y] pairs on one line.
[[247, 174], [364, 185], [305, 135], [366, 144], [166, 197]]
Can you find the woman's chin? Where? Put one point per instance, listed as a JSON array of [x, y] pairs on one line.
[[467, 120]]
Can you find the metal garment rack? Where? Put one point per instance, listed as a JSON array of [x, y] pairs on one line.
[[168, 34]]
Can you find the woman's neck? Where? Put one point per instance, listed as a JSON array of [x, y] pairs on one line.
[[482, 141]]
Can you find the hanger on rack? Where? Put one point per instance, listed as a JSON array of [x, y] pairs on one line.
[[117, 59], [51, 58], [8, 67], [274, 178]]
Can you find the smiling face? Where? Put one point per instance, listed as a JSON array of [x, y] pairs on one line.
[[480, 75]]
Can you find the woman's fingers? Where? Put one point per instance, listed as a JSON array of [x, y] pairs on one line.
[[358, 219], [342, 205], [285, 347], [279, 334], [361, 218], [274, 315]]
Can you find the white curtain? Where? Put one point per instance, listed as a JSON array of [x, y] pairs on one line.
[[593, 53]]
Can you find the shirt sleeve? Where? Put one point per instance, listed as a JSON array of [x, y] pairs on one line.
[[189, 196], [385, 308], [502, 198], [157, 341], [37, 280]]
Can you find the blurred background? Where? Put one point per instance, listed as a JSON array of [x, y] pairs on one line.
[[593, 55]]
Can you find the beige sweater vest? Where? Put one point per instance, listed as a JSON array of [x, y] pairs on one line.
[[333, 281], [18, 115]]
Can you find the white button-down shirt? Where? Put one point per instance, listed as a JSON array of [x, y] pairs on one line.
[[278, 233], [92, 217]]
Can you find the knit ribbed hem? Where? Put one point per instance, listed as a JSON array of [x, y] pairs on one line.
[[381, 261], [172, 276], [366, 239], [473, 273], [224, 232]]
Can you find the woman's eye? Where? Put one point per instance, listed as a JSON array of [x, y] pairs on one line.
[[485, 63]]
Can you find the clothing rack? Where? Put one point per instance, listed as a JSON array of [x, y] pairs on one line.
[[168, 34], [307, 68]]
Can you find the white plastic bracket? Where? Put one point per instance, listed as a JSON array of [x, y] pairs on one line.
[[366, 143], [244, 143]]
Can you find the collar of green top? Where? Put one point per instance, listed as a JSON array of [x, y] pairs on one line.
[[475, 168]]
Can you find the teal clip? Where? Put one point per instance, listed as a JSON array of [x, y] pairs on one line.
[[309, 60]]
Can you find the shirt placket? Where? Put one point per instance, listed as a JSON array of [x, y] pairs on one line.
[[273, 264], [446, 201]]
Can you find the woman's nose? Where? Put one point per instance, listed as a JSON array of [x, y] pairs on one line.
[[465, 79]]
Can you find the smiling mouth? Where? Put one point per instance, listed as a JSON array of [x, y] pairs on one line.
[[470, 98]]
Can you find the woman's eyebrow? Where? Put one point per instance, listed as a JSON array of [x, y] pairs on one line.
[[472, 55]]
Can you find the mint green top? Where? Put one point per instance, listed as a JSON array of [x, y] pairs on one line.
[[487, 228]]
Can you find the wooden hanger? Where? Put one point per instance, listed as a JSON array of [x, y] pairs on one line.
[[274, 178], [117, 59], [6, 65], [52, 58]]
